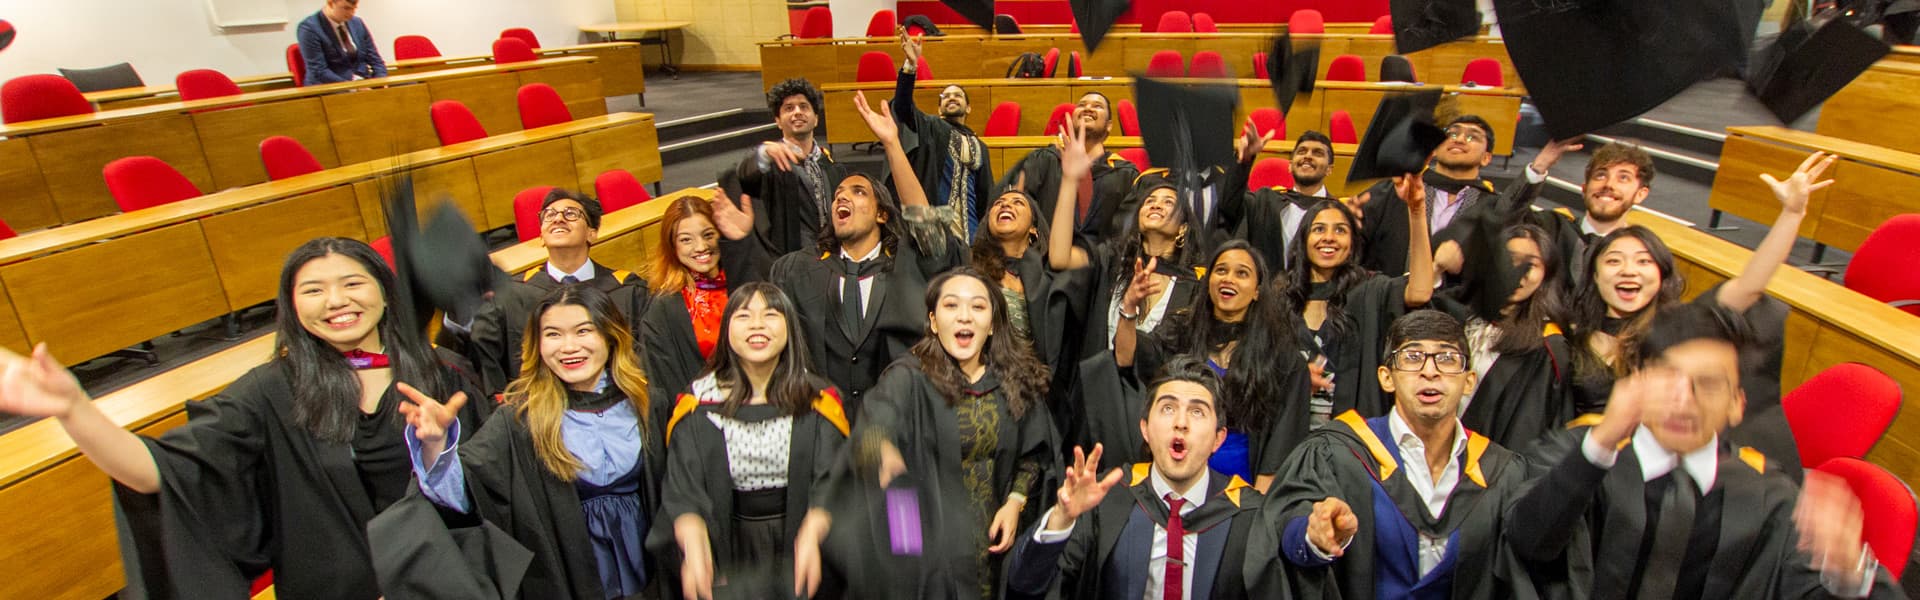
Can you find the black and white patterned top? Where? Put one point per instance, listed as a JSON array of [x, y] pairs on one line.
[[759, 440]]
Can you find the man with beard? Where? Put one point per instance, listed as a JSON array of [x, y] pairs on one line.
[[1104, 194], [946, 155], [1454, 187], [1268, 218], [794, 176], [1619, 177]]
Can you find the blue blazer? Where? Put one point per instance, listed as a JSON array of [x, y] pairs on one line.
[[327, 62]]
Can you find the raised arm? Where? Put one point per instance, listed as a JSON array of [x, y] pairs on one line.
[[1419, 249], [38, 386], [904, 111], [1143, 286], [884, 127], [1743, 291], [1075, 164]]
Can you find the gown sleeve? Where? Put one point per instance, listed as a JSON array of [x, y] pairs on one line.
[[1311, 474]]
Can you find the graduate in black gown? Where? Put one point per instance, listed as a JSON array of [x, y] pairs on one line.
[[1240, 329], [1343, 309], [566, 476], [749, 438], [1094, 544], [1009, 248], [1097, 404], [1520, 354], [1650, 500], [1407, 505], [681, 330], [1451, 186], [1630, 277], [569, 225], [949, 161], [1269, 218], [795, 176], [856, 289], [283, 469], [961, 416], [1104, 193]]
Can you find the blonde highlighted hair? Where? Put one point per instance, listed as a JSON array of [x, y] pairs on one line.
[[539, 398]]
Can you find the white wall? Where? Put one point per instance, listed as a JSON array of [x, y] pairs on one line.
[[850, 16], [164, 37]]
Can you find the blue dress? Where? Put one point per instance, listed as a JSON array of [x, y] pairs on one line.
[[1232, 457]]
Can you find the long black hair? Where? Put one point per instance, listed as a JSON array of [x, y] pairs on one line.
[[326, 393], [1522, 331], [1299, 284], [1021, 373], [1589, 311], [1131, 244], [1265, 357], [987, 256], [793, 385], [828, 242]]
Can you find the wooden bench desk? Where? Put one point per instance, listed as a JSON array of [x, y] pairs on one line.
[[1037, 97], [51, 168], [154, 271], [1870, 183], [1877, 108], [57, 507], [1004, 151]]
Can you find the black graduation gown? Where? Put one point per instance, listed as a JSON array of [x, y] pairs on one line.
[[1095, 402], [896, 314], [1385, 226], [925, 139], [1760, 359], [909, 412], [1267, 450], [243, 488], [1259, 217], [514, 497], [1595, 521], [1113, 200], [1347, 460], [1088, 567], [494, 343], [1371, 307], [698, 482], [786, 216], [670, 349]]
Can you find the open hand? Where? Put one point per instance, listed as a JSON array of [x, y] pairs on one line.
[[784, 157], [1798, 187], [1829, 520], [881, 121], [911, 45], [1143, 286], [1252, 141], [37, 385], [736, 223], [1551, 153], [1075, 160], [1630, 398], [1082, 488]]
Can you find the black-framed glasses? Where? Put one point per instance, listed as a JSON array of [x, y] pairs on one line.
[[569, 215], [1413, 361]]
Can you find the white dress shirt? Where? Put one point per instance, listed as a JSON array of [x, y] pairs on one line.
[[584, 273], [866, 284], [1156, 562], [1434, 493]]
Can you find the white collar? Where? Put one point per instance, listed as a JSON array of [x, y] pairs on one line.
[[1586, 226], [1319, 193], [1195, 496], [1703, 464], [1404, 436], [584, 274], [871, 254]]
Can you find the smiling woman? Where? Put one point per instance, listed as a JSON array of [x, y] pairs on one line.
[[682, 325]]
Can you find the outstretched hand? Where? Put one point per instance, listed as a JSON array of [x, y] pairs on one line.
[[1412, 190], [1083, 488], [1252, 141], [1798, 187], [736, 223], [1143, 286], [1553, 151], [1331, 526], [910, 44], [37, 385], [1075, 160], [881, 121], [1829, 521], [430, 418]]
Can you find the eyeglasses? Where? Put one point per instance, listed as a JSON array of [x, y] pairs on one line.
[[560, 214], [1413, 361], [1465, 135]]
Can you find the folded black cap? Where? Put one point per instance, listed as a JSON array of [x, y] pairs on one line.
[[1423, 24], [1291, 68], [1187, 127], [445, 264], [1592, 63], [1400, 138], [1809, 63], [980, 12], [1096, 17]]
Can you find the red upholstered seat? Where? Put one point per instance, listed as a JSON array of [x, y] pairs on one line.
[[1174, 21], [1840, 412], [286, 157], [138, 182], [1075, 68], [875, 67], [1483, 72], [1306, 20], [1269, 120], [1203, 23], [382, 246], [454, 123], [1057, 121], [1050, 62], [1382, 25], [1340, 128], [617, 189], [816, 23], [1167, 63], [35, 97], [1272, 171], [1259, 65], [1207, 63], [1129, 118], [882, 23], [1005, 120], [526, 211], [1881, 267], [1347, 67], [5, 231], [512, 50], [920, 71], [523, 34], [296, 65], [200, 84], [1137, 156], [409, 47], [1889, 510], [541, 106]]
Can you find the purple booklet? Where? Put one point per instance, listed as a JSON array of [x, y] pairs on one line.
[[903, 521]]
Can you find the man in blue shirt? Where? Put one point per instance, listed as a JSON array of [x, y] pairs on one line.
[[336, 45]]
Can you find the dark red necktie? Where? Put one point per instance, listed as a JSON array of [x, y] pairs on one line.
[[1172, 584]]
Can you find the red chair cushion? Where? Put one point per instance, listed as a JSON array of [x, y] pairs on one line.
[[138, 182], [1050, 62], [1167, 63], [1306, 20], [1129, 118], [409, 47], [1340, 128], [1382, 25], [1840, 412], [200, 84], [617, 189], [1272, 171], [296, 65], [454, 123], [921, 71], [1174, 21], [882, 23], [1881, 267], [1057, 121], [875, 67], [1203, 23], [35, 97], [1207, 63], [523, 34], [541, 106], [286, 157], [817, 23], [526, 211], [5, 231], [1137, 156], [508, 50], [1269, 120], [384, 247], [1483, 72], [1890, 512], [1347, 67], [1259, 65], [1005, 120]]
